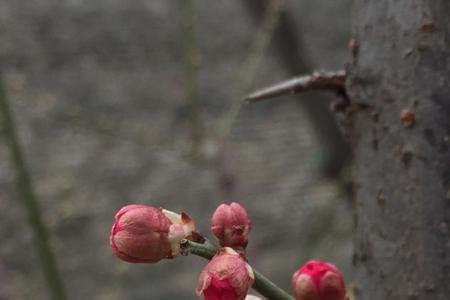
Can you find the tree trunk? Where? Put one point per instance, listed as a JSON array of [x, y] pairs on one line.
[[399, 127]]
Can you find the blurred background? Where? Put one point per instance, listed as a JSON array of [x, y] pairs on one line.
[[119, 102]]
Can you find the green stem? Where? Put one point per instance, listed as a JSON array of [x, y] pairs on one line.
[[29, 200], [263, 285], [269, 289]]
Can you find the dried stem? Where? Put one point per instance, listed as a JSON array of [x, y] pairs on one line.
[[263, 285], [334, 81], [30, 201]]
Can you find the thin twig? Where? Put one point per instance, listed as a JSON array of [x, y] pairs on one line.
[[263, 285], [289, 42], [190, 66], [253, 61], [334, 81], [30, 201]]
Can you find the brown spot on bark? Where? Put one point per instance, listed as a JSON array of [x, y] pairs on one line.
[[406, 154], [407, 118], [353, 46], [427, 26], [422, 47], [448, 194]]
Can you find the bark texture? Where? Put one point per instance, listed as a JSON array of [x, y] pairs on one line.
[[399, 86]]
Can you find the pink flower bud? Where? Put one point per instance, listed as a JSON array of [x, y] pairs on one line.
[[317, 280], [144, 234], [226, 277], [231, 225]]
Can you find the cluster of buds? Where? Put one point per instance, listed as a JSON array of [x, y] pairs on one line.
[[144, 234], [228, 276]]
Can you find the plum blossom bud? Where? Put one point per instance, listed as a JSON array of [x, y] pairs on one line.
[[144, 234], [318, 280], [231, 225], [226, 277]]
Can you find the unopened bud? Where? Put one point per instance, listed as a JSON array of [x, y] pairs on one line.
[[231, 225], [144, 234], [317, 280], [226, 277]]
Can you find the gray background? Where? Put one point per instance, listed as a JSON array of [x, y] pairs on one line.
[[98, 96]]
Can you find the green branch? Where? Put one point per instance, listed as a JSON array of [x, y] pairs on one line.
[[263, 285], [29, 200]]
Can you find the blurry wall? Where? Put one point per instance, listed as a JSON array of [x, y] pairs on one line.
[[98, 96]]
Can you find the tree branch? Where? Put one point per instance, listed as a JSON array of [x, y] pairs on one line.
[[263, 285], [289, 43], [334, 81], [30, 201]]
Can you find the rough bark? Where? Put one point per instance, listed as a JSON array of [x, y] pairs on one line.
[[400, 135]]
